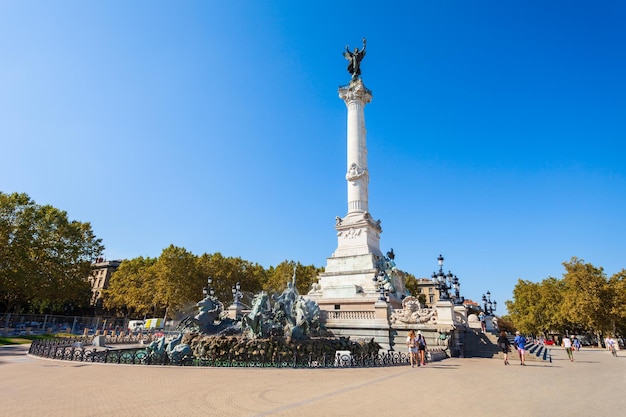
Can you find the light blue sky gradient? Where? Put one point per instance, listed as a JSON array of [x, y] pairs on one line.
[[496, 132]]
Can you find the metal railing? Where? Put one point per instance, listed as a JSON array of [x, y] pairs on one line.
[[74, 350]]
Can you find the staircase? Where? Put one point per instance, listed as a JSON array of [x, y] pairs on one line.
[[480, 345], [539, 352], [485, 345]]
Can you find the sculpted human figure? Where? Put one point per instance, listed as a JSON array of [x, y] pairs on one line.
[[209, 310], [355, 58]]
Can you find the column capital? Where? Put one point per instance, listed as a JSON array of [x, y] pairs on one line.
[[356, 90]]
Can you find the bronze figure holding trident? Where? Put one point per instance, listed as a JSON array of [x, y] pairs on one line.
[[354, 67]]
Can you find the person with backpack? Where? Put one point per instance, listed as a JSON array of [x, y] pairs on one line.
[[505, 346], [421, 346]]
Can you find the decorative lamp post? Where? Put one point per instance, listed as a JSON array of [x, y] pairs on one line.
[[489, 306], [379, 280], [442, 282], [237, 294], [208, 290], [235, 309], [457, 291]]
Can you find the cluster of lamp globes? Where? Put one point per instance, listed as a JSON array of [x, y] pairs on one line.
[[445, 282], [209, 290], [489, 306]]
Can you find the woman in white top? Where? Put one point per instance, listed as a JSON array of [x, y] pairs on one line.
[[567, 344], [411, 343]]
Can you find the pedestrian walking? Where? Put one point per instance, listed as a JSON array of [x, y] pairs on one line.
[[411, 343], [421, 346], [611, 345], [520, 344], [566, 342], [483, 323], [505, 346], [576, 343]]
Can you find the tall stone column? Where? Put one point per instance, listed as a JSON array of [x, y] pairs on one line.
[[356, 96], [350, 269], [346, 291], [358, 233]]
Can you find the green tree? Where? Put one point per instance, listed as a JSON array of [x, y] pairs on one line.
[[226, 272], [586, 296], [522, 309], [582, 301], [132, 287], [177, 280], [412, 287], [279, 276], [548, 311], [536, 308], [616, 298], [159, 287], [173, 283], [45, 258], [505, 324]]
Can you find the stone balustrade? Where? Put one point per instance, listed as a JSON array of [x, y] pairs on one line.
[[350, 315]]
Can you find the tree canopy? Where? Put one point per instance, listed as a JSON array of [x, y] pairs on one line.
[[172, 283], [583, 300], [44, 257]]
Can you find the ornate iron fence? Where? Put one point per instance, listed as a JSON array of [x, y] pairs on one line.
[[72, 350]]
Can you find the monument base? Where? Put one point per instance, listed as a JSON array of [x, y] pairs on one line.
[[349, 299], [445, 312], [365, 318]]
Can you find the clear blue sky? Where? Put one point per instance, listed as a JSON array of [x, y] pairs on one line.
[[496, 134]]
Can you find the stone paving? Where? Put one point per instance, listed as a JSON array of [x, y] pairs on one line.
[[592, 385]]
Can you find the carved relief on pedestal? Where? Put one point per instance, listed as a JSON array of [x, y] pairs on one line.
[[412, 313], [350, 233]]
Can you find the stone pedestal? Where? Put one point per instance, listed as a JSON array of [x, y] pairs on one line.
[[99, 341], [445, 312], [461, 315], [235, 311], [491, 326]]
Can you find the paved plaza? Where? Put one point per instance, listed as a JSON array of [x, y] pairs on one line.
[[592, 385]]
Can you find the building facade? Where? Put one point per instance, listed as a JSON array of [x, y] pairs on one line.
[[101, 272]]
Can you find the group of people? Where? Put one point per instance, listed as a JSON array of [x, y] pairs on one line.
[[505, 346], [520, 343], [417, 348], [569, 345], [611, 345]]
